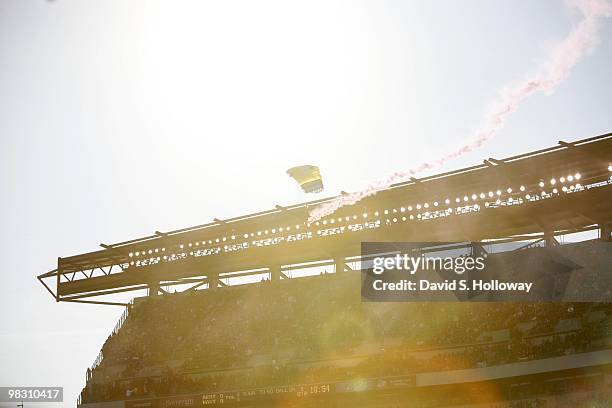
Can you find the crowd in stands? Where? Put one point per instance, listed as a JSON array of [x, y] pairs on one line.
[[316, 329]]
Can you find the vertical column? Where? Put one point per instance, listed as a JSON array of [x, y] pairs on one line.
[[153, 288], [59, 273], [275, 272], [605, 231], [213, 281], [339, 262], [550, 239]]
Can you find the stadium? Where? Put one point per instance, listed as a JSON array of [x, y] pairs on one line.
[[266, 309]]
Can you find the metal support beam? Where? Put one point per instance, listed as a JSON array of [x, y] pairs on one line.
[[99, 302], [339, 263], [606, 231], [550, 239], [275, 273]]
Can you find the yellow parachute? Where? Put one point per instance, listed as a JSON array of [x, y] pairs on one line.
[[308, 177]]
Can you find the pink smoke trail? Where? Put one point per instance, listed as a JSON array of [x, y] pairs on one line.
[[580, 41]]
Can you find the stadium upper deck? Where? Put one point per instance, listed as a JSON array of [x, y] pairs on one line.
[[560, 189]]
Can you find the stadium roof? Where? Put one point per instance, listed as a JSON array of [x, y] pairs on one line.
[[496, 199]]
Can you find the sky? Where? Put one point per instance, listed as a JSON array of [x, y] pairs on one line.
[[121, 118]]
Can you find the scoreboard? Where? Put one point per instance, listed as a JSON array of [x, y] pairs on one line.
[[290, 393]]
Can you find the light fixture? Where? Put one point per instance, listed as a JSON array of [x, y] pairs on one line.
[[522, 188], [553, 181], [498, 192], [541, 184], [509, 190], [577, 176], [570, 178]]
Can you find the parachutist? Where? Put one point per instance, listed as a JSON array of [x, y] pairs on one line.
[[308, 177]]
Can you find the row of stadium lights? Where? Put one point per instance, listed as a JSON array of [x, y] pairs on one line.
[[554, 183]]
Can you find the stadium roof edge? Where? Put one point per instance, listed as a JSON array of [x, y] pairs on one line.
[[393, 186]]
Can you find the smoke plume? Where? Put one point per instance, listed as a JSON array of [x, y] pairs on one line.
[[580, 41]]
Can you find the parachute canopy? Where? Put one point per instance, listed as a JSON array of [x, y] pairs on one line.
[[308, 177]]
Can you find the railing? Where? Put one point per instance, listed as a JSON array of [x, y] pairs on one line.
[[116, 329]]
